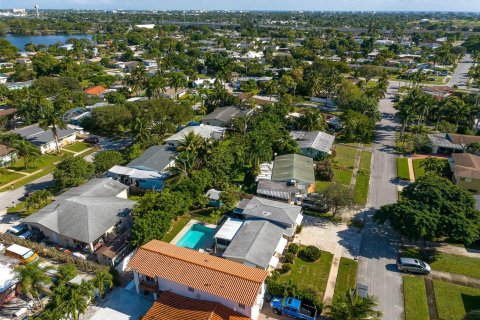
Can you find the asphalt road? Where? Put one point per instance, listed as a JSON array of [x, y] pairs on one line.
[[379, 244], [459, 76]]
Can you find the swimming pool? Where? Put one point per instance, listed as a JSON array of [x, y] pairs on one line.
[[197, 237]]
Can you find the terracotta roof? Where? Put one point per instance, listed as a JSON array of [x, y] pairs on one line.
[[95, 91], [4, 150], [171, 306], [7, 112], [466, 165], [217, 276], [462, 138]]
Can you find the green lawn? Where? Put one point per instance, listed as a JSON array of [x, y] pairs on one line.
[[343, 164], [177, 226], [41, 162], [9, 177], [415, 297], [450, 263], [346, 278], [417, 169], [313, 275], [78, 147], [29, 179], [402, 169], [363, 178], [454, 301]]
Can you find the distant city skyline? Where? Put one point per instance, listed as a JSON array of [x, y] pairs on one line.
[[314, 5]]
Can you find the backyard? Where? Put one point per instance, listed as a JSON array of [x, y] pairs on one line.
[[454, 301], [415, 296], [177, 225]]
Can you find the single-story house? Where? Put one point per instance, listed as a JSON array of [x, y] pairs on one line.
[[213, 196], [203, 83], [148, 171], [296, 169], [171, 306], [313, 144], [258, 243], [3, 78], [279, 190], [84, 217], [162, 267], [466, 171], [205, 131], [7, 155], [98, 91], [446, 143], [221, 117], [285, 215], [171, 93], [43, 139]]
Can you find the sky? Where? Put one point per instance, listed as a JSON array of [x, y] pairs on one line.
[[328, 5]]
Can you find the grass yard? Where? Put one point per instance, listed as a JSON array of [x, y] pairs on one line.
[[363, 178], [417, 168], [312, 275], [41, 162], [177, 226], [77, 147], [343, 164], [8, 177], [402, 169], [454, 301], [346, 278], [415, 296], [450, 263], [29, 179]]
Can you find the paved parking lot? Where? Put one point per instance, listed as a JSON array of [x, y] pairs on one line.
[[326, 234]]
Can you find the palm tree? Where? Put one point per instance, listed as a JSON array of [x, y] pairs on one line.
[[183, 166], [137, 79], [156, 85], [433, 166], [33, 279], [27, 151], [191, 142], [312, 120], [271, 88], [354, 307], [258, 151], [102, 280], [53, 119], [177, 80], [73, 299]]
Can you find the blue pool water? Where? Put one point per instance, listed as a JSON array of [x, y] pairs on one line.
[[196, 237]]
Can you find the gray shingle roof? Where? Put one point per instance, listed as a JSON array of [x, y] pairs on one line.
[[84, 213], [274, 211], [38, 136], [293, 167], [441, 140], [225, 114], [255, 242], [317, 140], [275, 189], [155, 158]]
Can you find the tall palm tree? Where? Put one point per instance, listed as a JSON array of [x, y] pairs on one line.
[[156, 85], [73, 299], [183, 166], [271, 88], [33, 279], [177, 80], [52, 119], [27, 151], [191, 142], [354, 307], [102, 280]]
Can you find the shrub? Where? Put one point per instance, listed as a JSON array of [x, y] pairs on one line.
[[324, 170], [299, 228], [310, 253], [289, 257], [293, 248], [286, 267], [67, 272]]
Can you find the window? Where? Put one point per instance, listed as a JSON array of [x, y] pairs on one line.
[[190, 289], [150, 279], [241, 306]]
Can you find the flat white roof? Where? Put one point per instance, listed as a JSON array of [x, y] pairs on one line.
[[15, 248], [281, 245], [273, 262], [229, 229]]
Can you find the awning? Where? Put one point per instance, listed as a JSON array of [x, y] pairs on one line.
[[281, 245], [273, 262], [299, 220], [126, 171]]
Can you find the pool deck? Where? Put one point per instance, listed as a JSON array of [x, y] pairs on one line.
[[187, 227]]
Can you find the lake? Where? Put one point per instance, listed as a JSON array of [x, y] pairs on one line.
[[20, 41]]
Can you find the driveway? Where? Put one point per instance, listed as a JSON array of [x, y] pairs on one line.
[[326, 235], [121, 304]]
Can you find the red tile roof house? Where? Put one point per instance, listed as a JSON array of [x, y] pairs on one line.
[[98, 91], [162, 267]]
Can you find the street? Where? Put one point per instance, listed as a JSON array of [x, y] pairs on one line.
[[460, 77], [379, 244]]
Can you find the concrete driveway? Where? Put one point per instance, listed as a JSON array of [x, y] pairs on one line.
[[326, 235], [121, 304]]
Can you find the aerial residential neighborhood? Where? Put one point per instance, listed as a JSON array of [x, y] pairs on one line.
[[240, 160]]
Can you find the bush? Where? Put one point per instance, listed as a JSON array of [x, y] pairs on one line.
[[310, 253], [286, 267], [293, 248], [67, 272], [289, 257], [299, 228], [324, 170]]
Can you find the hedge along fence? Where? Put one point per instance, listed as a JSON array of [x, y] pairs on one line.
[[52, 253]]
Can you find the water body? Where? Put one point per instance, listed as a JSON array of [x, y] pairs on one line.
[[20, 41]]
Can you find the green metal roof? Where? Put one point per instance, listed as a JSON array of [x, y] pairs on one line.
[[293, 167]]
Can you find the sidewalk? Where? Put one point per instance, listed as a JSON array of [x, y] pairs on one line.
[[455, 278], [411, 172], [332, 277]]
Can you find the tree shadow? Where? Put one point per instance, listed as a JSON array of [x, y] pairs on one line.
[[470, 302]]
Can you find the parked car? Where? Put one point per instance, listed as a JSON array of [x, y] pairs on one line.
[[92, 140], [20, 231], [294, 308], [413, 265]]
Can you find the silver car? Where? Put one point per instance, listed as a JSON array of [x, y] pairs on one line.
[[413, 265]]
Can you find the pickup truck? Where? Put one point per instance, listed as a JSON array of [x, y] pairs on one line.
[[294, 308]]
